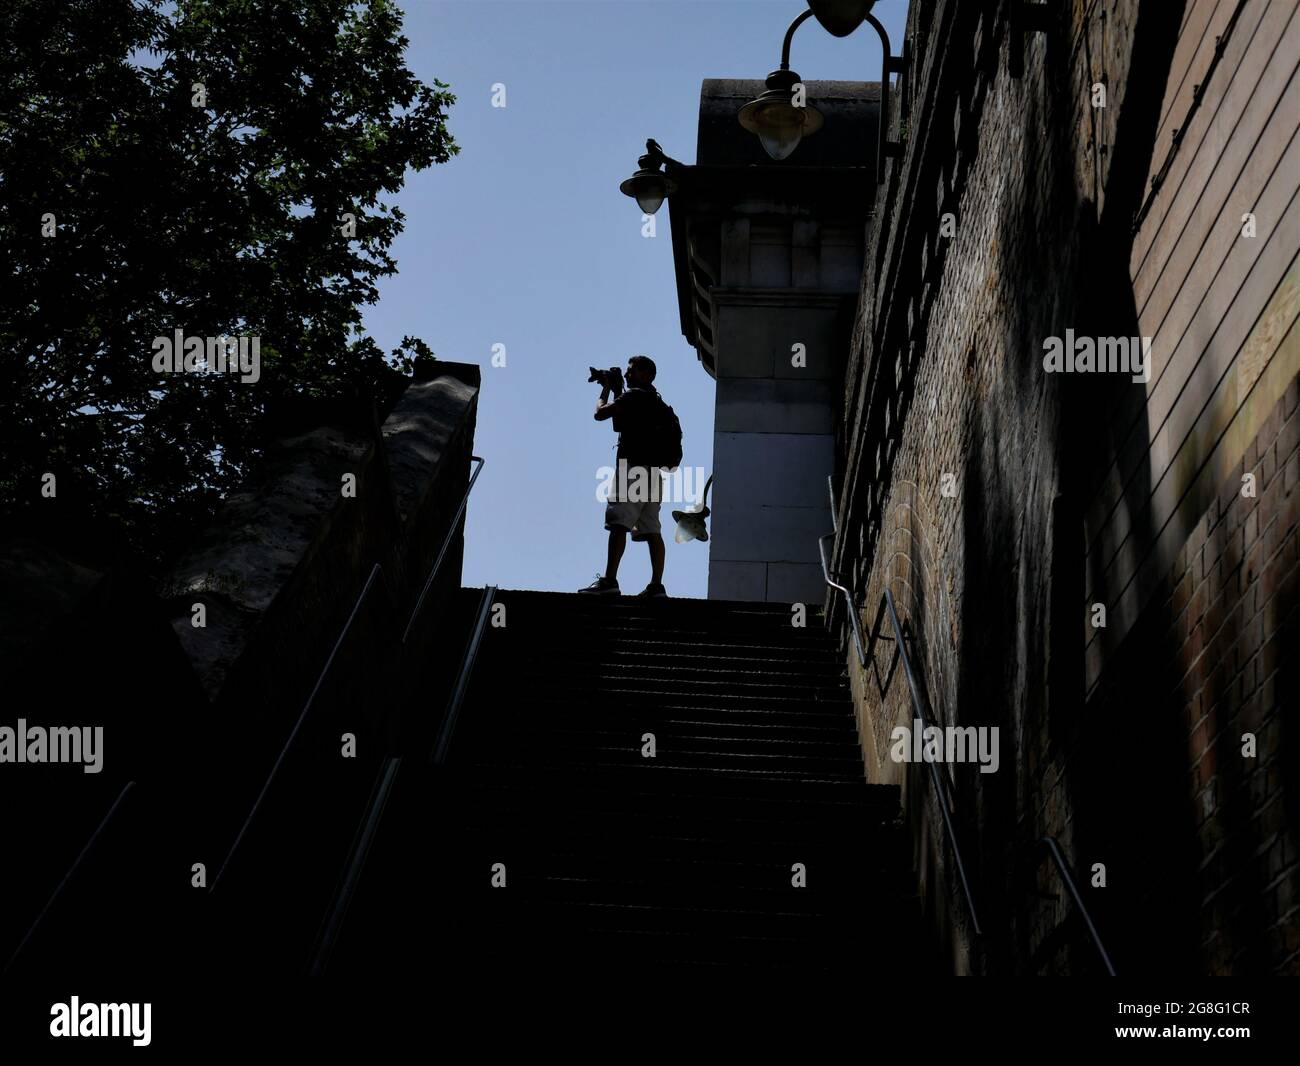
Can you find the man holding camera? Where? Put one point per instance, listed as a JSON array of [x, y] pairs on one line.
[[633, 505]]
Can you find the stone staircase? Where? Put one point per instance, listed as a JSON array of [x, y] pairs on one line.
[[617, 861]]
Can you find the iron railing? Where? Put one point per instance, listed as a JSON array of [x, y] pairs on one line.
[[72, 870], [355, 865], [375, 571], [1058, 857], [941, 791]]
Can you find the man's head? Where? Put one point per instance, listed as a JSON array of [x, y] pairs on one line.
[[640, 371]]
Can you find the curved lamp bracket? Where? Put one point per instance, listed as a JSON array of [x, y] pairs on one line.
[[841, 18]]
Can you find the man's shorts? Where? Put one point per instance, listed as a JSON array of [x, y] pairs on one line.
[[634, 503]]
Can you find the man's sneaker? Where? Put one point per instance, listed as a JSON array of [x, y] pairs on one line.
[[601, 587], [652, 591]]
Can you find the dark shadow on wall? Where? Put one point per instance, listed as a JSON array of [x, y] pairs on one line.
[[987, 674], [1015, 437], [1125, 752], [946, 912], [1117, 775], [1286, 764]]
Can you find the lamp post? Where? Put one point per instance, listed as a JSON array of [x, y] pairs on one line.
[[775, 118], [652, 182]]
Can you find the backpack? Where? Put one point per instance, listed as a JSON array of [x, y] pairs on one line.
[[664, 437]]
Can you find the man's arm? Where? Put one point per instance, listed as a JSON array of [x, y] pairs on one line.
[[605, 410]]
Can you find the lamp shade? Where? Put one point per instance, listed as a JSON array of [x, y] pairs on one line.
[[648, 188], [690, 525], [775, 120], [841, 17]]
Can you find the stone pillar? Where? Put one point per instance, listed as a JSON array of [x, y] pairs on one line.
[[772, 441], [769, 264]]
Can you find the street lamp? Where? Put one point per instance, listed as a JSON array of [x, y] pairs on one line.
[[770, 115], [779, 123], [650, 184], [690, 524]]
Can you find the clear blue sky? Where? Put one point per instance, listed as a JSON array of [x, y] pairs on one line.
[[524, 240]]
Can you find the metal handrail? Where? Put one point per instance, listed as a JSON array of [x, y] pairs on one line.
[[383, 787], [448, 726], [446, 542], [854, 624], [826, 573], [356, 862], [302, 717], [1058, 856], [85, 850], [1047, 842], [375, 571], [940, 791]]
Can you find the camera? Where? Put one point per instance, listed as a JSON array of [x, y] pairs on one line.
[[611, 379]]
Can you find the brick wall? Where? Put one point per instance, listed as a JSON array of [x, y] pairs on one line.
[[1232, 596], [1111, 741]]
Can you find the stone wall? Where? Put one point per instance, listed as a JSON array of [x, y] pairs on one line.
[[993, 498]]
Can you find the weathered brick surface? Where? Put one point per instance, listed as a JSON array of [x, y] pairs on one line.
[[1141, 771]]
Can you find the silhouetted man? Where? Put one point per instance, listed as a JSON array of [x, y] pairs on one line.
[[633, 505]]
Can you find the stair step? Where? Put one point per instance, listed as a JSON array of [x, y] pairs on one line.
[[676, 780], [737, 724], [548, 709], [668, 769], [872, 805], [646, 879], [632, 641], [641, 699], [613, 827], [738, 683], [832, 867], [639, 689], [551, 603], [802, 663], [594, 669], [533, 935], [848, 769], [749, 643], [527, 734]]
